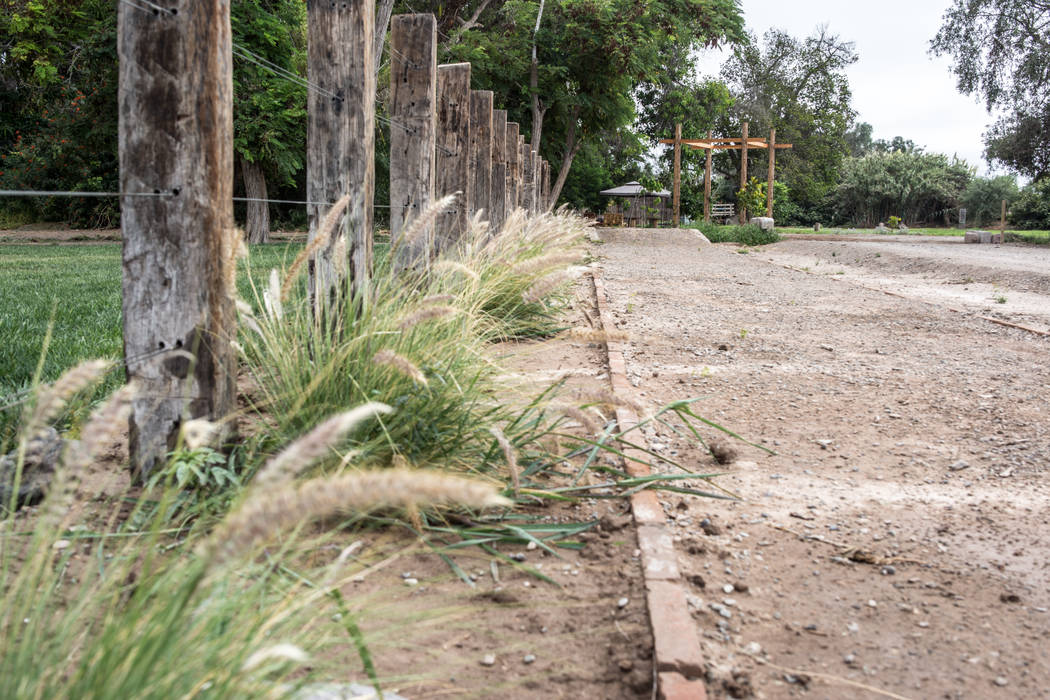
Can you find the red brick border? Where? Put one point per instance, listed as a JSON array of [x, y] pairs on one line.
[[679, 661]]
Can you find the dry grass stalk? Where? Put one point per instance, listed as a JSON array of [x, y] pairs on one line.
[[579, 415], [316, 444], [424, 221], [438, 299], [275, 510], [277, 652], [510, 456], [272, 297], [320, 240], [400, 363], [427, 313], [453, 266], [52, 399], [233, 249]]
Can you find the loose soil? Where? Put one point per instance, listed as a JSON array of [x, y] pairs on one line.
[[897, 541]]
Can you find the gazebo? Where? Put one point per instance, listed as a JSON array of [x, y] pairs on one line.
[[641, 207]]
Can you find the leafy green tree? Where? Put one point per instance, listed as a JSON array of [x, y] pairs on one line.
[[799, 88], [984, 196], [269, 111], [916, 186], [1000, 51], [1032, 209]]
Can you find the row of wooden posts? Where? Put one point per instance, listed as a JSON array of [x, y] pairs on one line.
[[176, 160]]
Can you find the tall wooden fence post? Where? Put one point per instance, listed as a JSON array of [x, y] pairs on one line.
[[772, 171], [519, 175], [537, 179], [547, 203], [176, 140], [512, 155], [499, 170], [413, 100], [480, 173], [340, 138], [528, 198], [453, 144]]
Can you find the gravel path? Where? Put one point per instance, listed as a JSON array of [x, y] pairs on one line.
[[898, 539]]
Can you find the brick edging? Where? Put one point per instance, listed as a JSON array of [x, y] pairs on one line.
[[676, 653]]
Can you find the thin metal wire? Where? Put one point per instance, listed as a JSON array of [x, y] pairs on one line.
[[247, 55], [150, 5], [59, 193]]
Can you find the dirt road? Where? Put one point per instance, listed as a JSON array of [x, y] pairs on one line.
[[898, 541]]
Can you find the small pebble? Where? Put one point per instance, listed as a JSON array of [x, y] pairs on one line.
[[622, 603], [849, 659], [518, 556], [529, 658], [626, 665], [753, 648], [888, 571], [61, 544], [1000, 681], [872, 604], [531, 546], [488, 660], [411, 581], [728, 588]]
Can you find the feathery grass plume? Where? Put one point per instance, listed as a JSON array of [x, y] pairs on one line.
[[427, 313], [315, 444], [401, 364], [544, 262], [604, 396], [272, 297], [274, 510], [233, 249], [200, 432], [597, 336], [247, 316], [422, 222], [52, 399], [278, 652], [454, 266], [339, 253], [578, 415], [323, 235], [508, 454], [545, 285]]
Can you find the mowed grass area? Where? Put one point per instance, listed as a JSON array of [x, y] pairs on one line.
[[75, 289]]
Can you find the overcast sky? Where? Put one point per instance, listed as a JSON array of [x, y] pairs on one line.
[[897, 86]]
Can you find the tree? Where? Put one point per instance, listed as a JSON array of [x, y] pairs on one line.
[[1000, 51], [799, 88], [591, 55], [269, 117], [1032, 209], [984, 196]]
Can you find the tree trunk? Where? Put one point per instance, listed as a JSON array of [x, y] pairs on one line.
[[257, 226], [572, 147], [538, 108]]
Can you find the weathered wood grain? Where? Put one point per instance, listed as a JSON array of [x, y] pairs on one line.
[[453, 146], [480, 173]]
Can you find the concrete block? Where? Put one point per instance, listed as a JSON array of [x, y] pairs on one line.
[[765, 222]]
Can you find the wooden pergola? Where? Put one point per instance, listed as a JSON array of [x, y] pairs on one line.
[[743, 144]]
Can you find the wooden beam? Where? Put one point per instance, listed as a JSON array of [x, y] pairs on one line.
[[677, 173], [779, 146]]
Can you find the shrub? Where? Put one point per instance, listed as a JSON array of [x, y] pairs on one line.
[[749, 234]]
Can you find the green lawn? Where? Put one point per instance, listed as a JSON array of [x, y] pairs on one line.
[[77, 288]]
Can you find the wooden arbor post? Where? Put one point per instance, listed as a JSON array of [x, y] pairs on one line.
[[772, 170], [707, 183], [498, 197], [480, 172], [453, 147], [340, 139], [413, 96], [743, 174], [176, 140], [677, 194]]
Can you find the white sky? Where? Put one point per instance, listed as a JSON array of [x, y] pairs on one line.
[[898, 87]]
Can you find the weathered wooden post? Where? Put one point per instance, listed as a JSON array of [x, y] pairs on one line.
[[480, 173], [413, 99], [547, 203], [677, 174], [772, 166], [340, 141], [499, 169], [537, 180], [176, 140], [528, 197], [707, 182], [743, 174], [520, 174], [512, 155], [453, 144]]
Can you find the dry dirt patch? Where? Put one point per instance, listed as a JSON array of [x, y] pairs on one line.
[[898, 540]]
